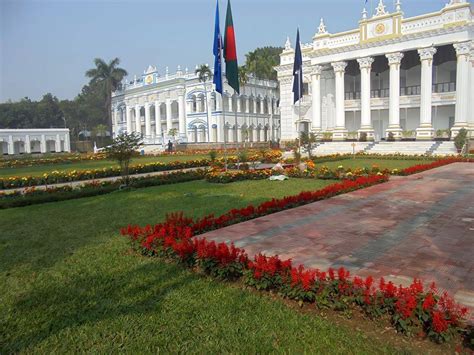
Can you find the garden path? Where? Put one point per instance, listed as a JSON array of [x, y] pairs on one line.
[[111, 178], [420, 226]]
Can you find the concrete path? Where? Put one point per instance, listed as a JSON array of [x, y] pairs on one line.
[[111, 178], [418, 226]]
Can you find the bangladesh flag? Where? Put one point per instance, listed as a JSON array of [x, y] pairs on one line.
[[230, 52]]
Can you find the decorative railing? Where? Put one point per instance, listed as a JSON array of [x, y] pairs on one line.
[[404, 91]]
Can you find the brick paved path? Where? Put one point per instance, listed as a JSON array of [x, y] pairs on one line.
[[419, 226]]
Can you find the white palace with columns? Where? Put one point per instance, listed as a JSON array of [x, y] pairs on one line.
[[173, 107], [409, 76]]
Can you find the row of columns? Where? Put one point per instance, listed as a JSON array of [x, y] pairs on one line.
[[158, 129], [43, 148], [425, 131]]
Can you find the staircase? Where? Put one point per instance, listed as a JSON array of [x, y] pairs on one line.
[[330, 148], [445, 148], [404, 148], [153, 149]]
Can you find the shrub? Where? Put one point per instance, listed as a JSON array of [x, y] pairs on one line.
[[460, 138]]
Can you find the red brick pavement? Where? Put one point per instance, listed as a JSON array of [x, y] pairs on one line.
[[421, 226]]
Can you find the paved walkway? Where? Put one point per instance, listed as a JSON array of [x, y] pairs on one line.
[[111, 178], [418, 226]]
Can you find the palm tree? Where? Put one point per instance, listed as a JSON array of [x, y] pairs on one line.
[[108, 76], [204, 74]]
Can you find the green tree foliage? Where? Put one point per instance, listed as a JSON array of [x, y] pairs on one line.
[[123, 148], [308, 140], [261, 62], [108, 77]]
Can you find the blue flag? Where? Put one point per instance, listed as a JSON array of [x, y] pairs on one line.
[[298, 71], [218, 54]]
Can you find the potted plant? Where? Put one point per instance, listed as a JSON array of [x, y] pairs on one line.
[[390, 137], [327, 137], [408, 135], [363, 137], [351, 137]]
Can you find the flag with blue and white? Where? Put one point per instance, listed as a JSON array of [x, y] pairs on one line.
[[218, 45], [298, 71]]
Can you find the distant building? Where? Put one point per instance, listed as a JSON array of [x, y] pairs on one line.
[[403, 77], [157, 106], [27, 141]]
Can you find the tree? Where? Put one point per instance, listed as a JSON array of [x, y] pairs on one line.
[[307, 140], [108, 77], [123, 148], [261, 61], [204, 74], [173, 132]]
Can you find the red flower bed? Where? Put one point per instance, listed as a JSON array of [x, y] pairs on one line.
[[411, 309], [422, 167]]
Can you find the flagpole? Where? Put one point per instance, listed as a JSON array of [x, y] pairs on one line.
[[223, 123], [299, 110], [236, 135]]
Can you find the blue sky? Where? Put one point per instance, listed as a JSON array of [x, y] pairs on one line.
[[47, 45]]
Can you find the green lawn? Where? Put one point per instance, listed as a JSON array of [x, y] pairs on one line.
[[381, 163], [69, 283], [92, 164]]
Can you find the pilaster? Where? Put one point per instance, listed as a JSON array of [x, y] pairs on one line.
[[147, 120], [316, 98]]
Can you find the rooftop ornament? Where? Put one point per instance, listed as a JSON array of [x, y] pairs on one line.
[[322, 28], [287, 44], [380, 10]]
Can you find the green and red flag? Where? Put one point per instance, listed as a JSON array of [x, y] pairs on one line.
[[230, 52]]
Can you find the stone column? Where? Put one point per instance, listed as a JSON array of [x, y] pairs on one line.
[[231, 109], [340, 131], [394, 61], [27, 144], [262, 106], [128, 114], [471, 93], [11, 146], [58, 143], [316, 98], [43, 144], [218, 102], [463, 95], [182, 114], [247, 104], [365, 65], [426, 131], [157, 120], [67, 142], [147, 120], [169, 123], [138, 123]]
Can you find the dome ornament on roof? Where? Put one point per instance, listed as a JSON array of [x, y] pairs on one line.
[[287, 44], [398, 6], [380, 10], [150, 69], [364, 14], [322, 28]]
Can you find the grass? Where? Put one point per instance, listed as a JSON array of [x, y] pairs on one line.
[[381, 163], [92, 164], [69, 283]]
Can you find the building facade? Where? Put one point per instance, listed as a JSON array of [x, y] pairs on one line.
[[403, 77], [30, 141], [179, 107]]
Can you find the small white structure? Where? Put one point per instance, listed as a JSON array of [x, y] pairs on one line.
[[27, 141]]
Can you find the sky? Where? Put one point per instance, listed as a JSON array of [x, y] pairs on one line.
[[47, 45]]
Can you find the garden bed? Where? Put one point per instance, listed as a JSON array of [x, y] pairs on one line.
[[411, 310]]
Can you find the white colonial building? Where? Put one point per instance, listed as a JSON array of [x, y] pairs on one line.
[[179, 107], [29, 141], [409, 76]]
